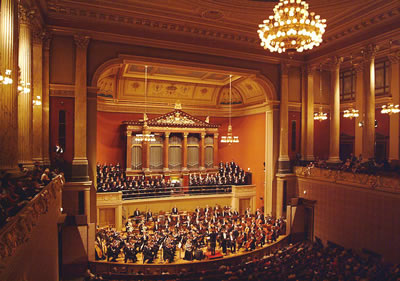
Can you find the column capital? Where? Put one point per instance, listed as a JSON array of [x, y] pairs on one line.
[[369, 52], [216, 135], [358, 67], [203, 135], [284, 68], [25, 15], [310, 69], [166, 134], [334, 63], [185, 134], [394, 57], [129, 133], [38, 34], [81, 41]]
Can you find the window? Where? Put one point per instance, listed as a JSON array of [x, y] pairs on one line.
[[382, 78], [293, 144], [347, 80], [61, 129]]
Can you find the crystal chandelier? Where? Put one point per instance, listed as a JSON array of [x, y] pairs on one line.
[[230, 138], [6, 79], [146, 137], [24, 87], [320, 115], [350, 113], [390, 109], [291, 27], [37, 101]]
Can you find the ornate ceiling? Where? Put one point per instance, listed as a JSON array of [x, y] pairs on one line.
[[220, 24], [168, 84]]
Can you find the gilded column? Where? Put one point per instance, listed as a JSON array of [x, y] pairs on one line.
[[184, 152], [8, 92], [215, 150], [358, 138], [303, 137], [37, 87], [146, 150], [80, 162], [394, 118], [202, 151], [283, 160], [369, 91], [166, 152], [25, 151], [334, 136], [46, 100], [310, 114], [129, 150]]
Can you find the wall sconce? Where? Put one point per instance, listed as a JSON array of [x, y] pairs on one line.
[[361, 124], [376, 124]]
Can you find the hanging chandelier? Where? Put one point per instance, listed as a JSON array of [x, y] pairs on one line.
[[350, 113], [390, 109], [320, 115], [230, 138], [6, 79], [291, 28], [145, 137]]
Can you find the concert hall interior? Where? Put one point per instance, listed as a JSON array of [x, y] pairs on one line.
[[199, 140]]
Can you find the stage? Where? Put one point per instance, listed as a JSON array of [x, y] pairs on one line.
[[113, 211], [159, 266]]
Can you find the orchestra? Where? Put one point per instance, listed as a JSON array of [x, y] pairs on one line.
[[189, 235]]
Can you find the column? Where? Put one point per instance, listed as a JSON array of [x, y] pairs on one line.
[[8, 93], [46, 100], [310, 114], [369, 91], [184, 152], [280, 186], [146, 150], [334, 136], [166, 151], [202, 151], [283, 160], [358, 138], [128, 150], [215, 150], [394, 118], [37, 93], [303, 138], [80, 162], [25, 151]]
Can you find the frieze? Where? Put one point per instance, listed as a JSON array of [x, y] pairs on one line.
[[374, 182], [18, 230]]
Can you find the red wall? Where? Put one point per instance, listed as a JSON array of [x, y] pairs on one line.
[[321, 138], [347, 126], [248, 153]]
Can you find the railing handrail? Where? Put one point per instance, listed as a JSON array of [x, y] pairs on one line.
[[27, 218], [367, 181]]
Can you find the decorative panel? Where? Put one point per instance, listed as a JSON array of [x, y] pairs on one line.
[[156, 157], [193, 157], [209, 157]]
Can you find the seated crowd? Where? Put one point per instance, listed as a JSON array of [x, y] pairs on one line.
[[112, 178], [356, 164], [302, 261], [16, 190], [189, 235], [228, 173]]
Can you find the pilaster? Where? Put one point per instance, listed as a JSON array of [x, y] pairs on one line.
[[283, 160], [215, 150], [46, 98], [184, 152], [334, 137], [166, 151], [202, 151], [80, 162], [311, 71], [360, 106], [8, 92], [394, 118], [369, 91]]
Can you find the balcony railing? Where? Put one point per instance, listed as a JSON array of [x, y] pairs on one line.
[[18, 230]]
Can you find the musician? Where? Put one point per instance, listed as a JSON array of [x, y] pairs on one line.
[[149, 215], [130, 252], [174, 210], [224, 241], [148, 254], [113, 250], [136, 213], [213, 241], [188, 250], [197, 210]]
